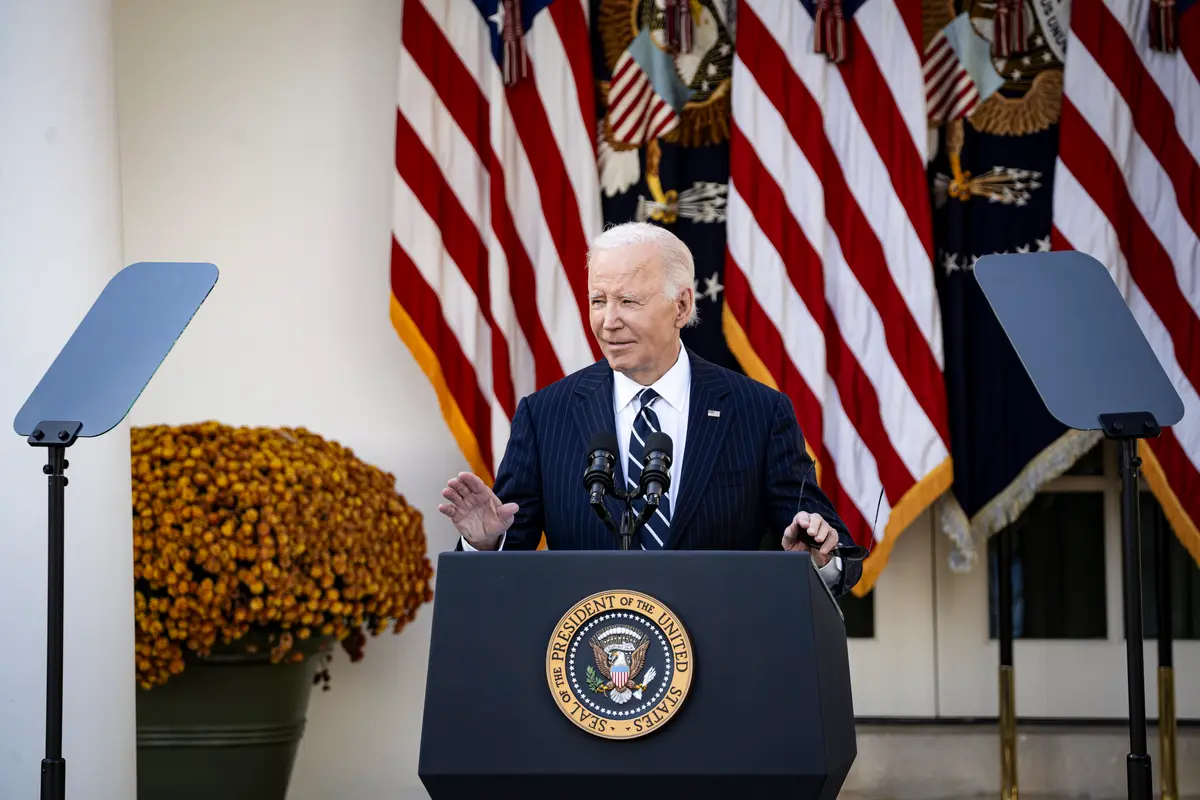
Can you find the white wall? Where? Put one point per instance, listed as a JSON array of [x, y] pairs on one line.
[[258, 136], [60, 242]]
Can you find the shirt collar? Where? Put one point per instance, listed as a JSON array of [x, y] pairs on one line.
[[672, 386]]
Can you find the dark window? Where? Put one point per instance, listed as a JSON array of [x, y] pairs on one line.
[[1058, 577], [1184, 575], [860, 615]]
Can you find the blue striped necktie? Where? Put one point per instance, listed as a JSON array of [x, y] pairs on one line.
[[654, 533]]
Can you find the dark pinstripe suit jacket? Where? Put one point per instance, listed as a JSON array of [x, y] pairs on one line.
[[740, 482]]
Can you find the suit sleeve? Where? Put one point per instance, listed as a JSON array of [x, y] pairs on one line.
[[787, 464], [519, 480]]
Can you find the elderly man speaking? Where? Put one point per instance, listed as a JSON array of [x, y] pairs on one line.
[[740, 475]]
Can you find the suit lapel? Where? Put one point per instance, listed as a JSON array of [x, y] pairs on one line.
[[594, 409], [705, 434]]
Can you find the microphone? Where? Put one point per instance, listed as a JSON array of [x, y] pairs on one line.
[[656, 467], [601, 461]]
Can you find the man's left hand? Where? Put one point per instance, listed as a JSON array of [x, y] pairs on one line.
[[821, 532]]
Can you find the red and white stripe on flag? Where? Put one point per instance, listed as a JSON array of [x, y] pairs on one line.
[[1127, 192], [830, 292], [496, 196]]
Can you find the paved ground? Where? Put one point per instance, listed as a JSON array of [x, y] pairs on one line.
[[961, 762]]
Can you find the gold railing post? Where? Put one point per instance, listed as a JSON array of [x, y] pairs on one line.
[[1008, 734], [1167, 778]]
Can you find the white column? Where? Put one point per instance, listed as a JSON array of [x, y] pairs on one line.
[[60, 242]]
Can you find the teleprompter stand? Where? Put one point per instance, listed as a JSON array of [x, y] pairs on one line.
[[1094, 369], [86, 392]]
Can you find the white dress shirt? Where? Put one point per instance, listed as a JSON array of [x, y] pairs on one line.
[[671, 408], [675, 390]]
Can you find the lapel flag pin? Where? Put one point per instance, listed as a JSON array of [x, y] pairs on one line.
[[713, 413]]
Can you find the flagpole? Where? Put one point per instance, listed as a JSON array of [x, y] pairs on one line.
[[1008, 700]]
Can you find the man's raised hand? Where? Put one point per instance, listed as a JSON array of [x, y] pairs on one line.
[[476, 511]]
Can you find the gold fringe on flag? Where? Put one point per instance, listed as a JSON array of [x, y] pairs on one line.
[[1181, 523]]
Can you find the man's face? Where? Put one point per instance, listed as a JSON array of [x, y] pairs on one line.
[[634, 322]]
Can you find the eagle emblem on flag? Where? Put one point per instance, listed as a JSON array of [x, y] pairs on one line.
[[1000, 62], [670, 65], [620, 655]]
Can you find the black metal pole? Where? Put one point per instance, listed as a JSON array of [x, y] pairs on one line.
[[627, 529], [1163, 579], [54, 766], [1138, 764]]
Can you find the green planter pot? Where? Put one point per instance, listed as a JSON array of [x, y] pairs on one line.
[[226, 728]]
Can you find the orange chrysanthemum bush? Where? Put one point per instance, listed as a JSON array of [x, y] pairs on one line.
[[268, 530]]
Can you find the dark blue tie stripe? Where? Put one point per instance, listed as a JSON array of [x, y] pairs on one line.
[[645, 423]]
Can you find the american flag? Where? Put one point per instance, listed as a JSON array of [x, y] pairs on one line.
[[496, 197], [1127, 192], [829, 286]]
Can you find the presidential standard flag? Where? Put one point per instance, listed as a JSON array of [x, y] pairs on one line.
[[993, 189], [663, 79]]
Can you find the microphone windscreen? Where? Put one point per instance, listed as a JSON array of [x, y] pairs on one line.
[[659, 441], [605, 440]]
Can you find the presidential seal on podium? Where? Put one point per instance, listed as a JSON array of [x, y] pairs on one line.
[[619, 664]]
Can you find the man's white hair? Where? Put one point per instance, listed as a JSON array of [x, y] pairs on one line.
[[679, 270]]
